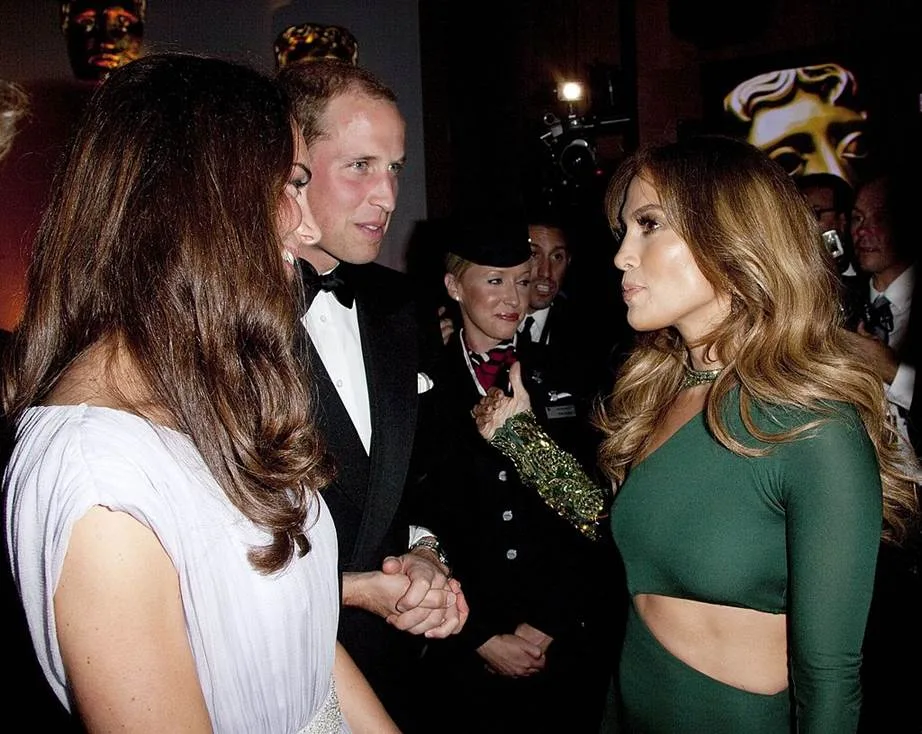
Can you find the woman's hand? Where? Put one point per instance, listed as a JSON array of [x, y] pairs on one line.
[[495, 408], [512, 656]]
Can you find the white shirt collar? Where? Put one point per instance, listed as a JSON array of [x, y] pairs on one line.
[[899, 292]]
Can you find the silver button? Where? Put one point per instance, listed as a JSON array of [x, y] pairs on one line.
[[502, 476], [511, 554], [507, 515], [339, 383]]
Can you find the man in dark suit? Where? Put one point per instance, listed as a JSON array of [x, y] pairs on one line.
[[565, 341], [883, 229], [366, 364]]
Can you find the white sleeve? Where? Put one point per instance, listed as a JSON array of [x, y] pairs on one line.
[[901, 389], [417, 532]]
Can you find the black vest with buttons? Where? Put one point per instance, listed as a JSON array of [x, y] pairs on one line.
[[504, 542]]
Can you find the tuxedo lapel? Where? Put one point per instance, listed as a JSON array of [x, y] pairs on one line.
[[390, 351]]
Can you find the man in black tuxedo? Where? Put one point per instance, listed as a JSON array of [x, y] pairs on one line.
[[364, 349], [888, 261]]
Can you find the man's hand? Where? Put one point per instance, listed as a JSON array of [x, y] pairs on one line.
[[879, 357], [374, 591], [512, 656], [433, 603], [495, 408]]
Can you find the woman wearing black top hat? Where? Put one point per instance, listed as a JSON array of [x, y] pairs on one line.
[[536, 652]]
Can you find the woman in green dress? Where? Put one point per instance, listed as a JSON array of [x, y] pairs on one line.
[[754, 467]]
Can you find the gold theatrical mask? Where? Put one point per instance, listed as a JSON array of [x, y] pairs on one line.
[[807, 119], [314, 41], [102, 35]]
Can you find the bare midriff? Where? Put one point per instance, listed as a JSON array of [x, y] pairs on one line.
[[743, 648]]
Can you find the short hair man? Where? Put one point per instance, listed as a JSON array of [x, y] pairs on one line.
[[550, 258], [888, 263], [368, 369], [102, 35], [561, 337], [883, 228]]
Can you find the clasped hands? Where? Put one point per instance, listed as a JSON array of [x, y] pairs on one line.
[[495, 408], [413, 592], [518, 655]]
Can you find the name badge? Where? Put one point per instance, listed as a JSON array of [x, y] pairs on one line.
[[561, 411]]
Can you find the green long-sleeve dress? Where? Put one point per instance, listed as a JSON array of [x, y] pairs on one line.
[[795, 532]]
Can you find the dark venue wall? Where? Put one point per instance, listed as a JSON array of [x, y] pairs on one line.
[[488, 80], [476, 83], [496, 131], [33, 53]]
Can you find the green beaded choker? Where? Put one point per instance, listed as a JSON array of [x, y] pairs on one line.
[[693, 378]]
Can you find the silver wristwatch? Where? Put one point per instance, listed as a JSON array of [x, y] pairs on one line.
[[432, 543]]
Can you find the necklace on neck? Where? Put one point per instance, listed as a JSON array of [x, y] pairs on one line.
[[693, 378]]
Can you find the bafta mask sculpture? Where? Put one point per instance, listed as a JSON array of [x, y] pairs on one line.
[[808, 119], [314, 41], [102, 35]]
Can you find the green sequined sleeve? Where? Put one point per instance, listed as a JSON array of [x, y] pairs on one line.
[[556, 475]]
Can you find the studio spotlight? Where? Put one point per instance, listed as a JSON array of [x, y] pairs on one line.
[[570, 91]]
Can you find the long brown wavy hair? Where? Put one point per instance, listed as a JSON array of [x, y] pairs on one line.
[[754, 238], [161, 237]]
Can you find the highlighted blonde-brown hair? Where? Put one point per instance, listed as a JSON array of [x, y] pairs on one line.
[[754, 238]]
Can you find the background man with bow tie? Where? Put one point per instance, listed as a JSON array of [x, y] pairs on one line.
[[883, 227], [365, 355]]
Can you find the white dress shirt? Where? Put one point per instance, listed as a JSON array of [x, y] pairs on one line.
[[899, 392], [539, 319], [899, 293], [334, 331]]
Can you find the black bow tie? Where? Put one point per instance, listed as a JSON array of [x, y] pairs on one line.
[[333, 282]]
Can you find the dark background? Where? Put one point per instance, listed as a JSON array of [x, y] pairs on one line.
[[476, 78]]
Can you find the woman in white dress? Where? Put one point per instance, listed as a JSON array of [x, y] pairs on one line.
[[175, 560]]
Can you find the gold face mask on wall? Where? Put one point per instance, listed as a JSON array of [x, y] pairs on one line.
[[102, 35], [807, 119], [314, 41]]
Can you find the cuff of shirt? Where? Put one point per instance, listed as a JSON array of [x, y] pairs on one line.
[[417, 532], [901, 389]]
